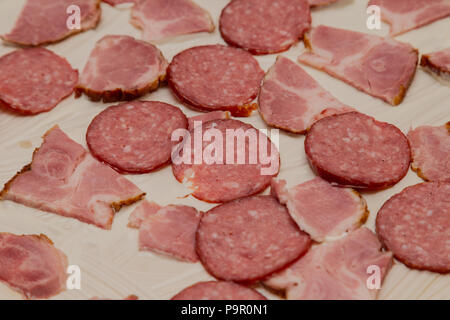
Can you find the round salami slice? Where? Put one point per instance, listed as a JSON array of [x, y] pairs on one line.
[[135, 137], [264, 26], [225, 159], [353, 149], [216, 77], [248, 239], [218, 290], [415, 226], [35, 80]]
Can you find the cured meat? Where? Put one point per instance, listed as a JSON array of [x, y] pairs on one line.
[[169, 230], [46, 21], [320, 209], [381, 67], [162, 19], [438, 63], [317, 3], [35, 80], [65, 179], [430, 148], [291, 100], [216, 77], [130, 297], [119, 2], [218, 290], [31, 265], [406, 15], [337, 270], [264, 26], [248, 239], [355, 150], [415, 226], [122, 68], [229, 167], [135, 137], [209, 116]]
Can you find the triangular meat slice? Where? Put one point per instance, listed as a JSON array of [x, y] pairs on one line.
[[65, 179], [381, 67]]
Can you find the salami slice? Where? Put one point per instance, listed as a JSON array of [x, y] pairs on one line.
[[353, 149], [122, 68], [248, 239], [135, 137], [35, 80], [227, 166], [202, 118], [218, 290], [216, 77], [415, 226], [264, 26]]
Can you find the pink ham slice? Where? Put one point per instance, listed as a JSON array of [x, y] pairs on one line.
[[122, 68], [161, 19], [438, 63], [406, 15], [430, 148], [65, 179], [291, 100], [45, 21], [218, 290], [31, 265], [209, 116], [317, 3], [320, 209], [336, 270], [35, 80], [169, 230], [381, 67]]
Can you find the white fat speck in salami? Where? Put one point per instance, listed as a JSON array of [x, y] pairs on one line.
[[216, 77], [225, 177], [415, 226], [264, 26], [35, 80], [248, 239], [122, 68], [135, 137], [353, 149], [218, 290]]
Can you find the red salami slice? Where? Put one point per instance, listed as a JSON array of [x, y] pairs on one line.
[[415, 226], [218, 290], [135, 137], [264, 26], [233, 169], [216, 77], [35, 80], [248, 239], [353, 149]]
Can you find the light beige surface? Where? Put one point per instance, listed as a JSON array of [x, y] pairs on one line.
[[109, 260]]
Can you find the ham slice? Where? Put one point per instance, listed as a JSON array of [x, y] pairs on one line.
[[430, 148], [169, 230], [320, 209], [31, 265], [381, 67], [65, 179], [317, 3], [162, 19], [438, 63], [406, 15], [45, 21], [119, 2], [291, 100], [209, 116], [335, 270]]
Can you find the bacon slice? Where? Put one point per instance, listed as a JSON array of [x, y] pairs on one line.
[[45, 21], [381, 67], [438, 63], [161, 19], [169, 230], [320, 209], [430, 148], [336, 270], [291, 100], [406, 15], [31, 265], [65, 179]]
